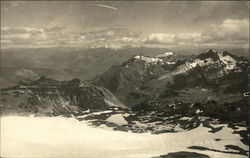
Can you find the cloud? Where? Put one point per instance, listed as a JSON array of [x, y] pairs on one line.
[[188, 36], [233, 32], [21, 36], [26, 36], [11, 5], [160, 38], [230, 31], [6, 41], [115, 35], [19, 30], [58, 36], [54, 29], [114, 32], [172, 39], [129, 39]]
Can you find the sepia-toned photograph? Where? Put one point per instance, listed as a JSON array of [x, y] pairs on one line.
[[124, 79]]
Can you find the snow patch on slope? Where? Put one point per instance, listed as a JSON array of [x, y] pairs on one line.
[[190, 65], [228, 61]]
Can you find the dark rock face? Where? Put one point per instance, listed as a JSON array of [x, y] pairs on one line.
[[235, 112], [183, 154], [210, 54], [52, 97]]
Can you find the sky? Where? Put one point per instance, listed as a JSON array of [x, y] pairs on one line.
[[122, 23]]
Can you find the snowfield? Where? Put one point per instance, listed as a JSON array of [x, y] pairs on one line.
[[48, 137]]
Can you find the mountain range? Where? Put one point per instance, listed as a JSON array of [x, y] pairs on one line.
[[211, 83], [221, 77]]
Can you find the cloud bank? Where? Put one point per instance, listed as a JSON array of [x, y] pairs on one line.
[[228, 32]]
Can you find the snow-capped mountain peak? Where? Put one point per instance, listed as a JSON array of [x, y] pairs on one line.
[[226, 61]]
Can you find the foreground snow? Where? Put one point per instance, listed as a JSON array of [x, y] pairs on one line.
[[67, 137]]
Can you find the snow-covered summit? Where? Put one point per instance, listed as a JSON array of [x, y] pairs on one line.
[[210, 58], [228, 61]]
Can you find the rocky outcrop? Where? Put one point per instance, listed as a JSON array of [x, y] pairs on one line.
[[183, 154]]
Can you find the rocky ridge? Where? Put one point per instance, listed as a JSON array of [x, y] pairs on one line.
[[51, 97]]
